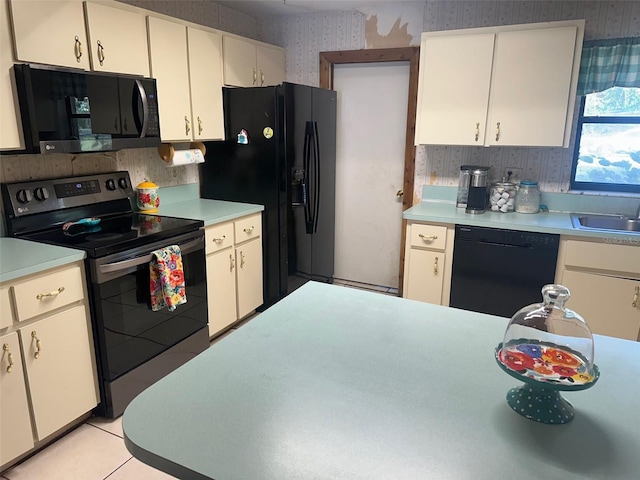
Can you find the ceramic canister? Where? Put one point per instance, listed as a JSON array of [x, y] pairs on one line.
[[147, 198]]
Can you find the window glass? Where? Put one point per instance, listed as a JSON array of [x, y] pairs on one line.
[[607, 155]]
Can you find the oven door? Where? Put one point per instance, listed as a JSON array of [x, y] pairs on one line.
[[128, 333]]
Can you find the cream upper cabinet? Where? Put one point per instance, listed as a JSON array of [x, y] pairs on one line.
[[205, 75], [604, 281], [10, 123], [454, 89], [170, 67], [117, 40], [271, 65], [16, 435], [530, 91], [50, 32], [512, 85], [250, 64]]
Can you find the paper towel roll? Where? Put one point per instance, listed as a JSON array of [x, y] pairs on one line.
[[185, 157]]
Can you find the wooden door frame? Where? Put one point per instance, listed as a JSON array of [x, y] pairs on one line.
[[412, 55]]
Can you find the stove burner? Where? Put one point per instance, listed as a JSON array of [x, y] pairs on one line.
[[102, 237]]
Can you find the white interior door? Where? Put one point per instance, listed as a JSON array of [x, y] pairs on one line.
[[371, 130]]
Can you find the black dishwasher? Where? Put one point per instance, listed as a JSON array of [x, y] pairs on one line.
[[499, 271]]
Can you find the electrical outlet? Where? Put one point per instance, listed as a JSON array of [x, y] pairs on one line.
[[513, 174]]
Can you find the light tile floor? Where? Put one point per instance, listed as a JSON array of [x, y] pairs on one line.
[[95, 450]]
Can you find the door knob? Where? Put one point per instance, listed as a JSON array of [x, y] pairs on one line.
[[399, 194]]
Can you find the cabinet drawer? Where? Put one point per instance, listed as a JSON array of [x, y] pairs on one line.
[[47, 292], [6, 317], [602, 256], [248, 227], [431, 236], [218, 237]]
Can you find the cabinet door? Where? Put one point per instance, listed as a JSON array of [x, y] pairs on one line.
[[10, 122], [239, 62], [16, 435], [453, 95], [61, 380], [118, 40], [530, 87], [169, 66], [271, 65], [425, 276], [50, 32], [205, 75], [249, 275], [606, 303], [221, 290]]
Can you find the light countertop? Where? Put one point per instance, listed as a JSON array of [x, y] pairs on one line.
[[339, 383], [22, 257], [210, 212], [551, 222]]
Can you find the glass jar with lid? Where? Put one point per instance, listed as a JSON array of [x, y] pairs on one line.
[[502, 196], [527, 197]]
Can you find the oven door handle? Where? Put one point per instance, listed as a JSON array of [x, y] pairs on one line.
[[134, 262]]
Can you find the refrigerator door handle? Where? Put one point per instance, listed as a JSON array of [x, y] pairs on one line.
[[317, 177], [308, 219]]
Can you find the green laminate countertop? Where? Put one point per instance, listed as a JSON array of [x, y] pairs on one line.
[[210, 212], [19, 258], [338, 383], [551, 222]]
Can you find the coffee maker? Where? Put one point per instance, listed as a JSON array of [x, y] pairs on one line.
[[478, 190]]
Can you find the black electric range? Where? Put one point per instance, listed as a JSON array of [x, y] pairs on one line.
[[134, 345]]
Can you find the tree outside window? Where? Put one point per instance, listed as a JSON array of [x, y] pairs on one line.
[[607, 154]]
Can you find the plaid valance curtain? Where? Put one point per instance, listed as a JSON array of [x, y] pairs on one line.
[[609, 63]]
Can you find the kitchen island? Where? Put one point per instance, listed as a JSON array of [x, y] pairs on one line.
[[338, 383]]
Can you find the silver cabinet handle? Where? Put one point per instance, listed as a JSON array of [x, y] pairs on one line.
[[255, 76], [435, 266], [477, 130], [78, 49], [34, 335], [5, 347], [249, 230], [636, 294], [497, 131], [232, 263], [100, 53], [219, 239]]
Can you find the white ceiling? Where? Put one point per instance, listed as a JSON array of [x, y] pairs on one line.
[[260, 8]]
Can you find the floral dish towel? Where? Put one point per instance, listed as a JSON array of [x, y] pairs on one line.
[[167, 279]]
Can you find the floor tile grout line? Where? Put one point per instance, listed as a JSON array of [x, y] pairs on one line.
[[105, 431], [127, 461]]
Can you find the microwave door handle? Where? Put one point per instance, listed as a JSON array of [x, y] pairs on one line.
[[134, 262], [145, 108]]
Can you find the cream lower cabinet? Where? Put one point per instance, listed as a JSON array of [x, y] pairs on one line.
[[428, 260], [604, 281], [48, 333], [16, 436], [234, 270]]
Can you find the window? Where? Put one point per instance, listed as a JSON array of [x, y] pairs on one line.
[[607, 154]]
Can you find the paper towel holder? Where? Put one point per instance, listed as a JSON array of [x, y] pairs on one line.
[[167, 151]]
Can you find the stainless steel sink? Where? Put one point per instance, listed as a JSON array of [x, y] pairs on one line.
[[605, 222]]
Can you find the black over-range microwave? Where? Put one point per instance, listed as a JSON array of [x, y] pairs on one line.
[[71, 111]]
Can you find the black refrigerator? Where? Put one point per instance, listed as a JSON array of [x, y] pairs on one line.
[[280, 152]]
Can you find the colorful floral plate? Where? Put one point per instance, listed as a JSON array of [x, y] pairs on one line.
[[546, 369]]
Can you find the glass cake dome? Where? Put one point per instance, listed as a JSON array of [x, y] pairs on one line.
[[550, 348]]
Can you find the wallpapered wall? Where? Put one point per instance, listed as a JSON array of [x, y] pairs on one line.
[[307, 35], [304, 36]]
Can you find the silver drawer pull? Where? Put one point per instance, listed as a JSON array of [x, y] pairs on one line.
[[428, 238], [55, 293], [435, 266], [636, 294], [5, 347], [249, 230], [219, 239], [34, 335]]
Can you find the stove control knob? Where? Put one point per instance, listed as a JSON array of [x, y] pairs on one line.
[[111, 184], [122, 181], [41, 193], [24, 196]]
